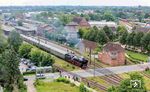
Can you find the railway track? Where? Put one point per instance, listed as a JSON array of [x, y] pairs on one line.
[[86, 81], [146, 75], [109, 80]]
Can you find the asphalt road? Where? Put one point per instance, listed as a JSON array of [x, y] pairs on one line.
[[112, 70]]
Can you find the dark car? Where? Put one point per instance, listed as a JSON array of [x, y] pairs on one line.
[[25, 79]]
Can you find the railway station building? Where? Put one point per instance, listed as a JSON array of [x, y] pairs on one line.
[[112, 54]]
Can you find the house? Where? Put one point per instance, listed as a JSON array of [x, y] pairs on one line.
[[25, 31], [73, 26], [142, 29], [86, 46], [72, 30], [7, 29], [112, 54], [44, 28], [81, 22]]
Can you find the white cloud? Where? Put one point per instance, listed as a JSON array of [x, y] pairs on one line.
[[77, 2]]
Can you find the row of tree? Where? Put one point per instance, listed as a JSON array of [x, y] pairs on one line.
[[100, 36], [136, 39], [10, 79], [37, 56]]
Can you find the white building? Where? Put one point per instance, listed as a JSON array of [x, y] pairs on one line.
[[101, 24], [72, 30]]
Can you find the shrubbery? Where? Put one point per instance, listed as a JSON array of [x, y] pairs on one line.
[[61, 79], [24, 50], [36, 55], [30, 72]]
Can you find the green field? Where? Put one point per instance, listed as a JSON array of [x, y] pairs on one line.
[[137, 56], [56, 87]]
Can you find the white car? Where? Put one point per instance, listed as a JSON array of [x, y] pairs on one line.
[[40, 76]]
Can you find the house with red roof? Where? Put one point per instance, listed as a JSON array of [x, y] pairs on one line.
[[81, 22]]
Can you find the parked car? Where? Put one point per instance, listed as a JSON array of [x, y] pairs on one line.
[[40, 76], [25, 79]]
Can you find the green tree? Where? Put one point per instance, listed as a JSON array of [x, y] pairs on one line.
[[120, 30], [15, 40], [11, 62], [112, 89], [125, 85], [35, 55], [3, 42], [82, 88], [147, 15], [92, 35], [146, 41], [41, 58], [24, 50], [46, 59], [108, 32], [101, 37], [137, 39], [65, 19], [108, 16], [130, 40], [123, 37], [81, 32], [20, 23]]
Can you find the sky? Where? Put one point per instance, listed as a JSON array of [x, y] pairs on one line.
[[75, 2]]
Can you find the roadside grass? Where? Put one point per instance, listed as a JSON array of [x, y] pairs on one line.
[[64, 64], [55, 87], [137, 56]]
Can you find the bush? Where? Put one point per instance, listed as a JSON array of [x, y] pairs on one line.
[[72, 84], [30, 72], [37, 82], [61, 79], [37, 56], [24, 50], [82, 88]]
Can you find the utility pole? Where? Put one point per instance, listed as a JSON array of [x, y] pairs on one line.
[[90, 55], [94, 65]]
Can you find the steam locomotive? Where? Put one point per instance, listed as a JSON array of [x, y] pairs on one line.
[[78, 61]]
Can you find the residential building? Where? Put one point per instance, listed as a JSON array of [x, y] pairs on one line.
[[86, 46], [101, 24], [7, 29], [81, 22], [24, 30]]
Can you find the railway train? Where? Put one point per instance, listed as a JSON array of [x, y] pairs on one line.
[[69, 57]]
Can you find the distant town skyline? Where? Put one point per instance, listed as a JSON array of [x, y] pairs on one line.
[[75, 2]]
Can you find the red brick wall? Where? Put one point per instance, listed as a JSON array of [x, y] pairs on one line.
[[105, 58]]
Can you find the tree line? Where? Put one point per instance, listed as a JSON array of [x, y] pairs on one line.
[[136, 39], [100, 36], [37, 56], [11, 79]]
